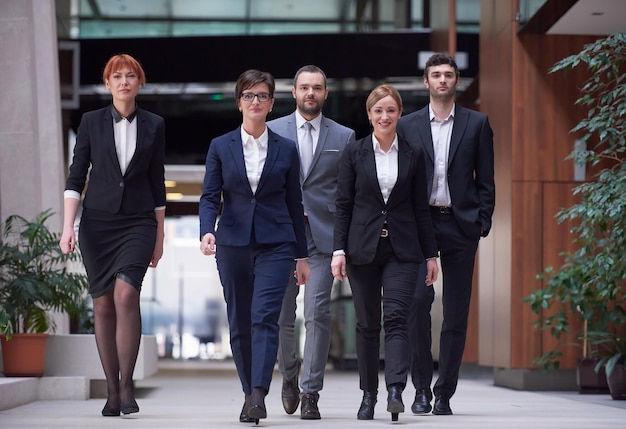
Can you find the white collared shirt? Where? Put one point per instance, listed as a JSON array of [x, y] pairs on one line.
[[442, 133], [386, 166], [125, 135], [254, 154]]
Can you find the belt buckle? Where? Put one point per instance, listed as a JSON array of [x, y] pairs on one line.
[[445, 210], [384, 233]]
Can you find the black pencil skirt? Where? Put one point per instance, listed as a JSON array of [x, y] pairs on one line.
[[116, 245]]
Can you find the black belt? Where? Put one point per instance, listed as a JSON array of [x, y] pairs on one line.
[[306, 219], [441, 210]]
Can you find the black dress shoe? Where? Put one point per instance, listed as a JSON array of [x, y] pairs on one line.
[[366, 410], [257, 404], [394, 400], [309, 409], [244, 417], [130, 407], [421, 405], [290, 395], [442, 407]]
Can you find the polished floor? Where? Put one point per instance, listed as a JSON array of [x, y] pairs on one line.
[[208, 395]]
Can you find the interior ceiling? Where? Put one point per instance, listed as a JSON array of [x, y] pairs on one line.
[[592, 17]]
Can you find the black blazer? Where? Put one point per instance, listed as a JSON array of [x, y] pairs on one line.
[[142, 187], [470, 164], [361, 210]]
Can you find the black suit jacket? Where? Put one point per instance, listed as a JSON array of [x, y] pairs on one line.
[[470, 164], [142, 187], [361, 210]]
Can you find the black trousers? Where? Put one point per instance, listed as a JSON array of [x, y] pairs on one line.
[[457, 253], [393, 282]]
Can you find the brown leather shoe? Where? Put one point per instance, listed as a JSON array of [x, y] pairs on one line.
[[309, 409], [290, 395]]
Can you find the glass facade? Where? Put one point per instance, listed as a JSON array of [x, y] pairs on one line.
[[180, 18]]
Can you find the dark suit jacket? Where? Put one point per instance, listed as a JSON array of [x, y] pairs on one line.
[[362, 212], [274, 212], [470, 164], [142, 187]]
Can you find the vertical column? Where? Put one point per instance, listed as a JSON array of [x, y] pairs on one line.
[[31, 145], [443, 24]]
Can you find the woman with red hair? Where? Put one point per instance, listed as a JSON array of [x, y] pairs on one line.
[[122, 147]]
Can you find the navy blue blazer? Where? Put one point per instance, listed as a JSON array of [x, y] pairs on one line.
[[470, 164], [361, 210], [142, 187], [274, 212]]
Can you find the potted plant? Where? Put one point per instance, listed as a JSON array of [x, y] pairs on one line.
[[588, 289], [34, 280], [611, 353]]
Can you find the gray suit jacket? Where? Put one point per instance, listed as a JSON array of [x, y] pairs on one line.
[[319, 187]]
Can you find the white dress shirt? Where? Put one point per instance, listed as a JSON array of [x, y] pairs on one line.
[[442, 132], [254, 154], [386, 166]]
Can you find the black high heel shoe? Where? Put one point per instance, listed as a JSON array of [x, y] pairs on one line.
[[130, 407], [394, 401], [109, 411], [244, 417], [257, 408], [366, 410]]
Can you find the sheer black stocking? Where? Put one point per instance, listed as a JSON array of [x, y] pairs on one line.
[[117, 321]]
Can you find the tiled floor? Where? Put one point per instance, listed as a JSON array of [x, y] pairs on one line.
[[194, 395]]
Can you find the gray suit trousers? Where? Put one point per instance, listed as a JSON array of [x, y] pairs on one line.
[[316, 323]]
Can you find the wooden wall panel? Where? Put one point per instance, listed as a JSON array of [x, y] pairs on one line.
[[527, 263], [531, 113], [545, 110], [557, 239]]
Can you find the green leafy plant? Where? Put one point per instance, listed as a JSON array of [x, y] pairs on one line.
[[590, 285], [34, 276], [610, 348]]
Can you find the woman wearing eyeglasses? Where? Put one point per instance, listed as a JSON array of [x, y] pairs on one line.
[[255, 174]]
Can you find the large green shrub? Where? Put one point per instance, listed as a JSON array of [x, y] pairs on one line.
[[590, 284]]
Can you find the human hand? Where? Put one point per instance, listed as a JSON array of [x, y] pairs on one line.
[[157, 253], [338, 267], [303, 272], [68, 241], [207, 245], [432, 270]]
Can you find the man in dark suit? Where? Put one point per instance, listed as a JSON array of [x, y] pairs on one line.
[[318, 176], [458, 147]]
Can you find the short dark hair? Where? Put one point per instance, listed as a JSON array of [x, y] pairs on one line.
[[309, 69], [253, 77], [438, 59]]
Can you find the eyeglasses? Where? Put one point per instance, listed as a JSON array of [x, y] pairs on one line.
[[262, 96]]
